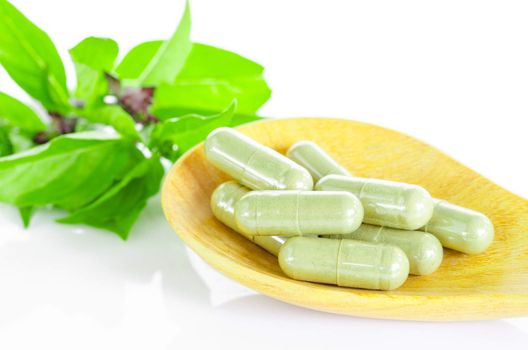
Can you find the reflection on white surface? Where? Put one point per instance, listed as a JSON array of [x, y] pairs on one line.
[[221, 289], [91, 290]]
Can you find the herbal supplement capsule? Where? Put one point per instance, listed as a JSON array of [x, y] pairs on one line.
[[315, 160], [271, 244], [223, 206], [423, 250], [386, 203], [298, 213], [345, 262], [459, 228], [253, 165]]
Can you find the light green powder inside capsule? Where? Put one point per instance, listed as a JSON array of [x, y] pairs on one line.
[[459, 228], [312, 157], [386, 203], [298, 213], [423, 250], [223, 203], [254, 165], [344, 262]]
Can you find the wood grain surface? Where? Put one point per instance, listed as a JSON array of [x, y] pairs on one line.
[[486, 286]]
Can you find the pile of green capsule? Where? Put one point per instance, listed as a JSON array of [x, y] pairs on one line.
[[328, 226]]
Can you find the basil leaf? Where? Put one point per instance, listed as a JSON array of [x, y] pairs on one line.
[[15, 113], [5, 144], [118, 208], [175, 136], [20, 140], [137, 59], [210, 79], [31, 59], [13, 140], [171, 56], [114, 116], [69, 171], [93, 57], [96, 53], [25, 214]]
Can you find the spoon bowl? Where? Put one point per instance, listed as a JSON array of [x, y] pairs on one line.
[[490, 285]]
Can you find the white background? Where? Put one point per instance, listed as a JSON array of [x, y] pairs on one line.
[[452, 73]]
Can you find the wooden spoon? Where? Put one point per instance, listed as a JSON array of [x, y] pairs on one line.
[[485, 286]]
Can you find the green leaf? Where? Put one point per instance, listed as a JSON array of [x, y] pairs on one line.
[[96, 53], [25, 214], [171, 56], [15, 113], [239, 119], [137, 59], [20, 140], [93, 57], [114, 116], [210, 79], [118, 208], [31, 59], [69, 171], [13, 140], [175, 136], [5, 144]]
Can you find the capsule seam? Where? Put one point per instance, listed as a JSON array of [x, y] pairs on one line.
[[375, 238], [246, 165], [403, 204], [257, 216], [297, 226], [381, 255], [360, 195], [338, 261]]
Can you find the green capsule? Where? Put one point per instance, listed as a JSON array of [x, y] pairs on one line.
[[386, 203], [459, 228], [223, 203], [313, 158], [344, 262], [423, 250], [298, 213], [254, 165], [272, 244]]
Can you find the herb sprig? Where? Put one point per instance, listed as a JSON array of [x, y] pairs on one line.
[[97, 153]]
